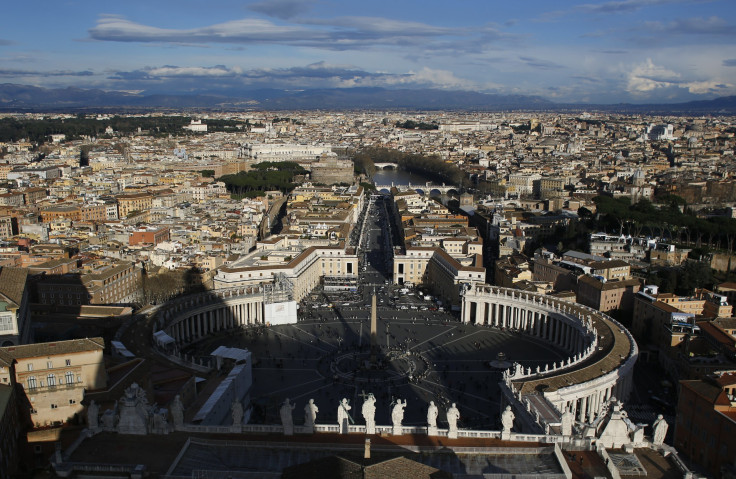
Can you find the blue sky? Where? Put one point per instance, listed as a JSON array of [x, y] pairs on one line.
[[636, 51]]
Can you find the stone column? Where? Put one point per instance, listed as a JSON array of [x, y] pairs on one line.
[[583, 407], [467, 306], [591, 407], [480, 312]]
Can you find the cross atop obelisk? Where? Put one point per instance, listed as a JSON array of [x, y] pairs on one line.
[[374, 329]]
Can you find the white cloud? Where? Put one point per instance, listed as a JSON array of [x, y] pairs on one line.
[[647, 77], [341, 33], [173, 71], [708, 87]]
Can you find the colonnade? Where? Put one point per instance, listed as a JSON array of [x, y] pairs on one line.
[[192, 318], [586, 386], [589, 406], [195, 326], [525, 318]]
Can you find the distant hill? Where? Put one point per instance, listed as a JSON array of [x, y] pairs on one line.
[[23, 97]]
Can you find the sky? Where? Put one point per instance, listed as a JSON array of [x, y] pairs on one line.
[[611, 51]]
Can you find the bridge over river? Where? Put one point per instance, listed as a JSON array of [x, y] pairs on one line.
[[423, 189]]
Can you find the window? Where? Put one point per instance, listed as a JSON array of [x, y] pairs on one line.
[[30, 366], [69, 377], [49, 364], [54, 406], [72, 401], [51, 379], [68, 362], [32, 382]]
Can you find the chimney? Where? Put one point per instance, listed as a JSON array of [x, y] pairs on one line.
[[367, 454]]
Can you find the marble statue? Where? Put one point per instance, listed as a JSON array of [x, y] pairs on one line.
[[109, 418], [660, 430], [343, 416], [286, 419], [432, 413], [453, 416], [177, 411], [92, 411], [369, 414], [159, 422], [397, 416], [507, 421], [135, 413], [237, 412], [566, 423], [310, 414]]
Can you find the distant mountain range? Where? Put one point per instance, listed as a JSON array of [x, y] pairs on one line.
[[29, 98]]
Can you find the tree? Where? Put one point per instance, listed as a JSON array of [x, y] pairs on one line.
[[694, 274]]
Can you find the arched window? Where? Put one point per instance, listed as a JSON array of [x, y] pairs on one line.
[[51, 380], [69, 378]]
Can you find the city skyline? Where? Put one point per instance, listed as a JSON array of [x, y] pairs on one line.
[[637, 51]]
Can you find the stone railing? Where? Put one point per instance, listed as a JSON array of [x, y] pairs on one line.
[[516, 373]]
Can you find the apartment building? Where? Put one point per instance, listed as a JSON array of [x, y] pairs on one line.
[[303, 267], [6, 227], [93, 212], [69, 212], [34, 195], [54, 376], [706, 423], [133, 202], [15, 318], [435, 268], [607, 295], [12, 199], [108, 283], [11, 427], [149, 236]]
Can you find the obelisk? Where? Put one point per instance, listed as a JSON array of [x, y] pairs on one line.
[[374, 330]]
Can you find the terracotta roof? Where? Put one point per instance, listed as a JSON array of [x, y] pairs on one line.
[[13, 283], [10, 353], [665, 307], [718, 335], [704, 389], [616, 263], [726, 379], [725, 323], [608, 285]]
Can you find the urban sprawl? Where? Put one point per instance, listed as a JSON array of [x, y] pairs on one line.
[[130, 243]]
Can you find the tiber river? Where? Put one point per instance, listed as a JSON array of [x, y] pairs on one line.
[[398, 177]]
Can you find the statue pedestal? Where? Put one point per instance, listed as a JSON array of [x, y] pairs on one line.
[[505, 435], [236, 428], [432, 431], [288, 430], [370, 428], [309, 429], [452, 434], [397, 431]]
